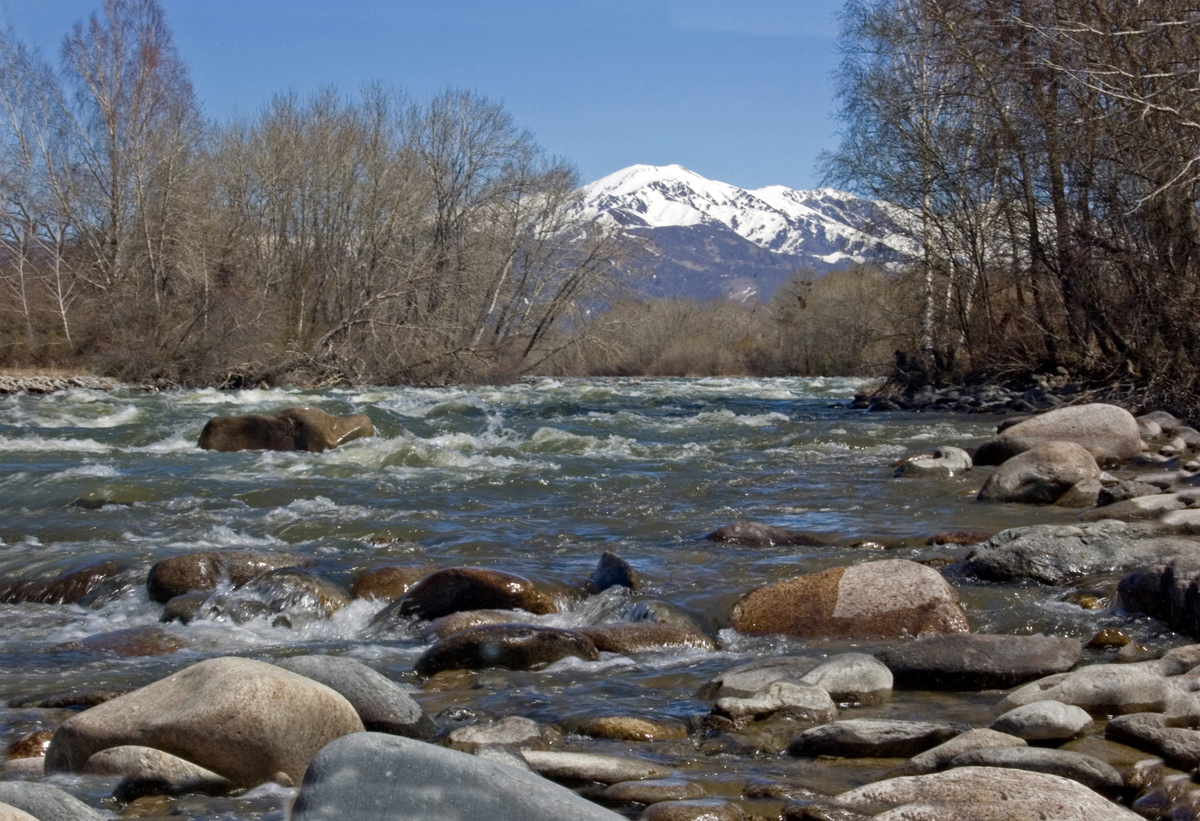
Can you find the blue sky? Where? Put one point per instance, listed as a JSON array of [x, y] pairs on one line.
[[736, 90]]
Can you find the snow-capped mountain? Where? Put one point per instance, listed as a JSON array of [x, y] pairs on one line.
[[708, 239]]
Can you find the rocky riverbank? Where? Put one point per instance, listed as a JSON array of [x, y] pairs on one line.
[[42, 383]]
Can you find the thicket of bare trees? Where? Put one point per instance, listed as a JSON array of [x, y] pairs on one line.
[[373, 238], [1048, 154]]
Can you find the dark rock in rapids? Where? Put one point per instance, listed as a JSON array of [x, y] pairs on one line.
[[1040, 475], [1174, 738], [1057, 554], [383, 705], [612, 571], [356, 777], [632, 637], [203, 571], [1109, 433], [753, 534], [46, 802], [447, 626], [510, 646], [65, 589], [1168, 592], [389, 583], [657, 611], [468, 588], [883, 599], [873, 738], [30, 745], [293, 590], [978, 662], [1089, 771], [299, 428]]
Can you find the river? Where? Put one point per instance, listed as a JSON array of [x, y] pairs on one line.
[[537, 478]]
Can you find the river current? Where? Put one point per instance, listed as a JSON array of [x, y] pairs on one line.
[[538, 479]]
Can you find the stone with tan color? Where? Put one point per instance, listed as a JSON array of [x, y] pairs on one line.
[[884, 599], [146, 771], [389, 583], [938, 757], [299, 428], [11, 813], [1040, 475], [242, 719], [177, 575], [603, 769], [1105, 431], [645, 637], [632, 728]]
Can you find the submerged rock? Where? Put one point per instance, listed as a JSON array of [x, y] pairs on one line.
[[299, 428], [1169, 592], [510, 646], [884, 599], [754, 534], [632, 728], [977, 661]]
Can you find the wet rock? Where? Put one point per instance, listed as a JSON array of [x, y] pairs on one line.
[[65, 589], [46, 802], [585, 767], [613, 571], [146, 771], [299, 428], [1134, 652], [447, 626], [510, 646], [656, 611], [854, 678], [1045, 721], [242, 719], [700, 809], [985, 794], [820, 811], [883, 599], [1105, 689], [469, 588], [978, 661], [356, 777], [1106, 431], [745, 680], [1144, 507], [873, 738], [946, 461], [132, 642], [798, 701], [753, 534], [771, 788], [1169, 592], [512, 731], [30, 745], [632, 728], [186, 607], [1107, 638], [1090, 772], [652, 790], [203, 571], [1125, 490], [1174, 797], [1084, 493], [645, 638], [1040, 475], [937, 758], [1172, 738], [295, 591], [959, 537], [84, 697], [1057, 554], [383, 705], [388, 583]]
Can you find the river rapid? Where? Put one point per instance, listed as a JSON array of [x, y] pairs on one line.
[[538, 479]]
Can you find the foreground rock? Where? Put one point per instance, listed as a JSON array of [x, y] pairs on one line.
[[299, 428], [1057, 554], [985, 794], [1040, 475], [358, 777], [978, 661], [884, 599], [468, 588], [873, 738], [509, 646], [1107, 432], [242, 719], [203, 571], [381, 703], [146, 771]]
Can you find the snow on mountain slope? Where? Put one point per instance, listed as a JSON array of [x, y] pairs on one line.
[[821, 229]]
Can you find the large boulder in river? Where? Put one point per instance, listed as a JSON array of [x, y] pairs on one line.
[[1106, 431], [884, 599], [300, 428], [242, 719], [468, 588], [1057, 554], [510, 646], [1040, 475], [978, 662], [373, 777], [203, 571]]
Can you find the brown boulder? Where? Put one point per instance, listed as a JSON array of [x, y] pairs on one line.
[[470, 588], [301, 428], [644, 637], [884, 599], [64, 589], [510, 646], [632, 728], [202, 571], [389, 583]]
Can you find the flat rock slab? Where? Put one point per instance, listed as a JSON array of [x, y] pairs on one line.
[[584, 767], [1088, 771], [376, 777], [978, 662], [873, 738], [1058, 554], [984, 794]]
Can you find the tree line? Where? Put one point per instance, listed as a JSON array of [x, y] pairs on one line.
[[1047, 156], [372, 238]]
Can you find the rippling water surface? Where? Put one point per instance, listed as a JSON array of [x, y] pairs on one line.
[[537, 479]]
